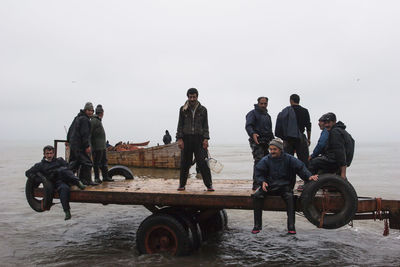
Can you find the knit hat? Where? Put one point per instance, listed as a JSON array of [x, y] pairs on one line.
[[88, 106], [277, 142], [99, 109]]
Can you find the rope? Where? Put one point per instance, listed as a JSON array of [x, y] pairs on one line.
[[378, 213], [325, 208]]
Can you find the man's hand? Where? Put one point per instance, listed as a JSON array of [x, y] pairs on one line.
[[255, 138], [180, 143], [309, 158], [343, 172], [264, 186], [87, 150], [313, 177], [205, 144]]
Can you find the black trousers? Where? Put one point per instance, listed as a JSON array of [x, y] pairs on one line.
[[193, 144], [322, 165], [80, 161], [287, 195], [100, 162], [298, 146]]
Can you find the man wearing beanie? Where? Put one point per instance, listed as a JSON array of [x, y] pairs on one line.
[[276, 175], [192, 135], [78, 138], [98, 144]]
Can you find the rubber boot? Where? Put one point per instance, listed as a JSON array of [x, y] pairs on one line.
[[81, 185], [85, 175], [104, 173], [258, 202], [67, 215], [289, 199]]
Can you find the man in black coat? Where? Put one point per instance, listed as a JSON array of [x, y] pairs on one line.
[[167, 138], [333, 158], [56, 171], [259, 128], [192, 135], [78, 138]]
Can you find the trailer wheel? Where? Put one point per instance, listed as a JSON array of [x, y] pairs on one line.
[[330, 220], [186, 218], [39, 204], [213, 224], [160, 233], [121, 170]]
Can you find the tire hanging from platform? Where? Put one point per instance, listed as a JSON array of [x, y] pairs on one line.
[[162, 233], [324, 218], [48, 193], [121, 170], [214, 223]]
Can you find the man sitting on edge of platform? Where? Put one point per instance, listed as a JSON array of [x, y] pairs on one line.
[[192, 135], [56, 171], [276, 175]]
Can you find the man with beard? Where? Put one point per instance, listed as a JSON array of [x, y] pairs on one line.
[[192, 135], [276, 174], [259, 129], [78, 138], [56, 171]]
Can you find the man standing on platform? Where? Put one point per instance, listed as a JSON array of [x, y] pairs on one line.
[[259, 129], [290, 125], [192, 135], [98, 144], [78, 138]]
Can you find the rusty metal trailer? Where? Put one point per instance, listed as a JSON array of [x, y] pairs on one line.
[[182, 219]]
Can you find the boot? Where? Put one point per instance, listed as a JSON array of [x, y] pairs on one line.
[[67, 215], [81, 185], [97, 180], [257, 215], [107, 179], [104, 173], [96, 175], [289, 199]]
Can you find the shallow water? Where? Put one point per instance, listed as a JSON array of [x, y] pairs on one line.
[[105, 235]]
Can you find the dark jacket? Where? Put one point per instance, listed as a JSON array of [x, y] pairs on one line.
[[167, 139], [79, 132], [259, 121], [335, 149], [48, 169], [193, 123], [286, 124], [303, 118], [280, 172], [98, 135]]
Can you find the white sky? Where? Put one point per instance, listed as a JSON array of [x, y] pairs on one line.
[[138, 58]]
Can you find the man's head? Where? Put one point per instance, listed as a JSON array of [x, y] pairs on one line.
[[262, 102], [88, 109], [99, 111], [329, 120], [294, 99], [321, 122], [48, 153], [276, 147], [192, 95]]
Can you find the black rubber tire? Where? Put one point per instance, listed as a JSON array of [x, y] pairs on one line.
[[330, 221], [48, 192], [186, 218], [153, 230], [121, 170], [213, 224]]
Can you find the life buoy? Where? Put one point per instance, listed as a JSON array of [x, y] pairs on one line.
[[329, 220], [44, 203], [121, 170]]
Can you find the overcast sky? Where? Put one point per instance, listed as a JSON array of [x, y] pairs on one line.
[[138, 58]]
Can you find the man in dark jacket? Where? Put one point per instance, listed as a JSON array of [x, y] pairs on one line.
[[56, 171], [276, 174], [98, 146], [192, 135], [259, 129], [291, 123], [78, 139], [167, 138], [333, 159]]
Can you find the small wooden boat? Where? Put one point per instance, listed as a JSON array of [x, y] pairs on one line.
[[164, 156]]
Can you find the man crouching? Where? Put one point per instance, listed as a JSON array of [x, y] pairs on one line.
[[56, 171], [276, 174]]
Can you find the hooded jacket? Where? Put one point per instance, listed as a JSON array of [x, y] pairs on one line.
[[259, 121], [98, 135], [47, 168], [79, 132], [280, 172], [193, 122], [335, 149]]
